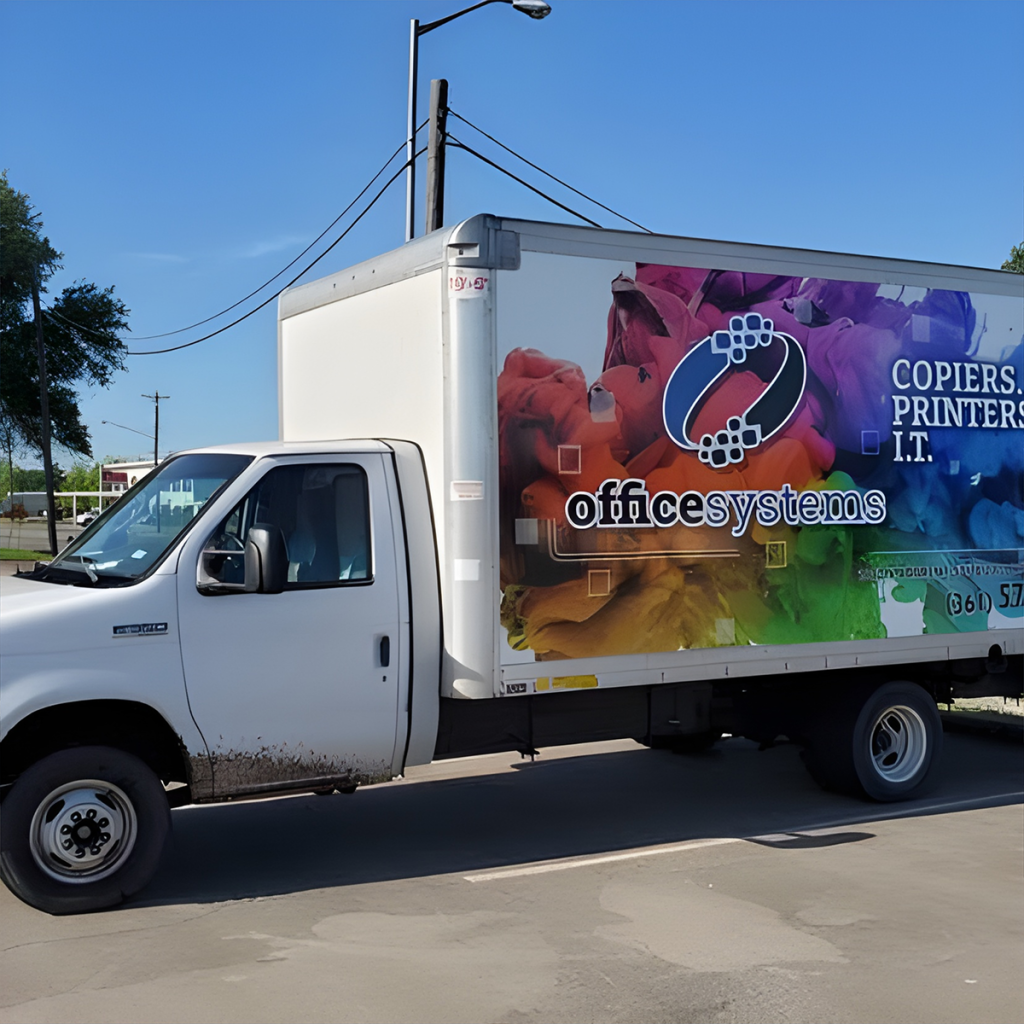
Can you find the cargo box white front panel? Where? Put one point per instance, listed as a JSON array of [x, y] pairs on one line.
[[414, 360], [370, 365]]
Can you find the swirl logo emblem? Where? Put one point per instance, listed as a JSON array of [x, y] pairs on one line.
[[708, 363]]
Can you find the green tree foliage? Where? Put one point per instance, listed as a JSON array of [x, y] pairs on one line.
[[81, 328], [11, 441], [24, 479], [1015, 264], [82, 476]]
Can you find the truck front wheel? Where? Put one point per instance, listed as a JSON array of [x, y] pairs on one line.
[[885, 745], [82, 829]]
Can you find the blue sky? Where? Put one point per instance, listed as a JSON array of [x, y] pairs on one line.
[[185, 152]]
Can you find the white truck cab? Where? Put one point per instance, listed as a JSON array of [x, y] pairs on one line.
[[239, 622]]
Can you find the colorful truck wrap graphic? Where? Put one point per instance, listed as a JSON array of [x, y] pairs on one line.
[[763, 460]]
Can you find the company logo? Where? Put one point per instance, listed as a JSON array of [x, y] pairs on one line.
[[751, 343], [708, 363]]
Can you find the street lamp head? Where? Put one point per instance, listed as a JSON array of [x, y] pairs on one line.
[[532, 8], [535, 9]]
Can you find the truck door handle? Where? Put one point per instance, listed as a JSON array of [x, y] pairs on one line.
[[385, 651]]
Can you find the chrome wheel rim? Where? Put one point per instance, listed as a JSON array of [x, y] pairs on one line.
[[83, 831], [899, 743]]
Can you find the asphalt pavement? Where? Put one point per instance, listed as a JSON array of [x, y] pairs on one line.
[[32, 534], [598, 883]]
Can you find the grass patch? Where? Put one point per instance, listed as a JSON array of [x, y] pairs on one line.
[[20, 555]]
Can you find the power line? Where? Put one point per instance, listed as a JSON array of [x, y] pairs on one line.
[[267, 301], [536, 167], [256, 291], [568, 209], [285, 268], [49, 312], [453, 141]]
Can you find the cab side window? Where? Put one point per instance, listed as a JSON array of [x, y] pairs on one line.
[[323, 511]]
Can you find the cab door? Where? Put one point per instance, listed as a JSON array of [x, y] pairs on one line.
[[302, 685]]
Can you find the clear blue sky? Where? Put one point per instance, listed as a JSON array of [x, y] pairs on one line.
[[185, 152]]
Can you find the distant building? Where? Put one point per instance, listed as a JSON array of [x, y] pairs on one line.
[[117, 476]]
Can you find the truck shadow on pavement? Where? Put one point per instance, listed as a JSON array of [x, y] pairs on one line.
[[564, 806]]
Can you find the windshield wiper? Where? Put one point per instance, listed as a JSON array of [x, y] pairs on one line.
[[81, 566]]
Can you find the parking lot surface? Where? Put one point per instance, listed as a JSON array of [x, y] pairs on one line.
[[599, 883]]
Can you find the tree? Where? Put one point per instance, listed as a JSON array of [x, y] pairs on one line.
[[1015, 263], [81, 328], [11, 442], [82, 476]]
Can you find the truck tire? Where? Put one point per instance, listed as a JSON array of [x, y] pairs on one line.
[[885, 744], [82, 829]]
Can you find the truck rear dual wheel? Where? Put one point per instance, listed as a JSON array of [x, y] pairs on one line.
[[82, 829], [885, 744]]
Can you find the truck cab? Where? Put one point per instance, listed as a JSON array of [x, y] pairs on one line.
[[239, 623]]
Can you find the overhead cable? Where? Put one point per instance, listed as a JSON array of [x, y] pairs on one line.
[[451, 140], [536, 167], [49, 312], [267, 301], [256, 291]]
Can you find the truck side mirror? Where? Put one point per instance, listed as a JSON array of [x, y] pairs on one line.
[[266, 560]]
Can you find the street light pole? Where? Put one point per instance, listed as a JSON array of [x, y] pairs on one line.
[[132, 429], [535, 9], [410, 146]]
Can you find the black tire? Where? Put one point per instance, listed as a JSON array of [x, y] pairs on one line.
[[885, 743], [82, 829]]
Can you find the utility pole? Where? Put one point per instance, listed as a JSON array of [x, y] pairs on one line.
[[44, 414], [156, 398], [435, 153]]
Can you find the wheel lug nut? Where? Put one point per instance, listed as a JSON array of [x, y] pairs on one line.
[[103, 822]]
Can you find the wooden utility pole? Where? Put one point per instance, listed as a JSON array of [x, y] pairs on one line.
[[437, 128], [44, 411], [156, 425]]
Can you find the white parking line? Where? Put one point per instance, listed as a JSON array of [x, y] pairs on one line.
[[604, 858], [696, 844]]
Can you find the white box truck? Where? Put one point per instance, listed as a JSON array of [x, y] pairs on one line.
[[609, 485]]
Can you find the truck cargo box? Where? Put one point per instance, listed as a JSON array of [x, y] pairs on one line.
[[657, 459]]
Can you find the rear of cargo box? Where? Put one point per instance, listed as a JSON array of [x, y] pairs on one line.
[[659, 460]]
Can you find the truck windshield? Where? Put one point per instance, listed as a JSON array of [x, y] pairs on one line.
[[133, 534]]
